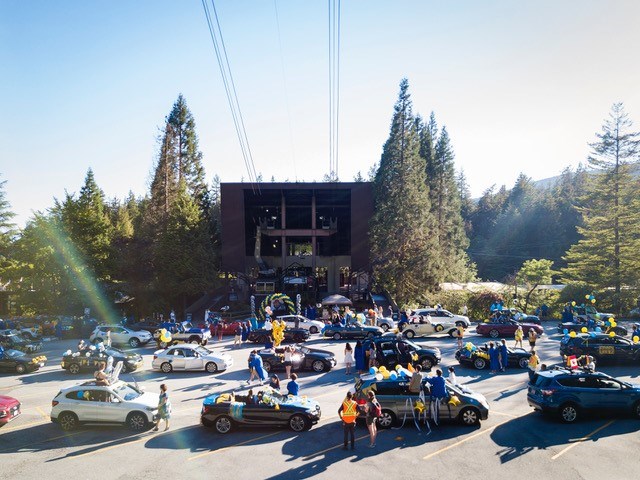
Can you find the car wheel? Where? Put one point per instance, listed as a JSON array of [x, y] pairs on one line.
[[337, 336], [74, 368], [211, 367], [318, 366], [387, 419], [266, 366], [194, 340], [68, 421], [134, 343], [262, 339], [313, 329], [480, 363], [494, 333], [166, 367], [384, 327], [568, 413], [409, 333], [426, 363], [223, 424], [298, 423], [439, 328], [469, 416], [461, 324], [204, 342], [20, 369], [137, 421], [523, 362], [453, 332]]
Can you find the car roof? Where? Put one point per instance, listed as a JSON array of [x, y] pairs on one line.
[[557, 372], [92, 383]]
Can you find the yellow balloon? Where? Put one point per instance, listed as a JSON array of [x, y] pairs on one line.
[[584, 330], [612, 334], [572, 334], [573, 304], [382, 369], [593, 300], [586, 297], [613, 324], [636, 339]]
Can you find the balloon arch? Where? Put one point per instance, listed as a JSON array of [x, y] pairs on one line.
[[291, 309]]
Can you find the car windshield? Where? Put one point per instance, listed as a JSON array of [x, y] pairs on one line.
[[127, 392], [304, 350], [112, 351], [14, 353], [411, 344], [203, 351]]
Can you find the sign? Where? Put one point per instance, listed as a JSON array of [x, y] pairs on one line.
[[572, 362]]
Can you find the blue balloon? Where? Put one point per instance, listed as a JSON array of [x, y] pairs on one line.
[[393, 376], [565, 331], [372, 371], [592, 334], [403, 374], [80, 394], [598, 329]]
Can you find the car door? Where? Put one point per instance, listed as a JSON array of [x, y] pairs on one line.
[[605, 349], [388, 354], [87, 405], [119, 335], [612, 394], [112, 408], [193, 360], [625, 351], [178, 359]]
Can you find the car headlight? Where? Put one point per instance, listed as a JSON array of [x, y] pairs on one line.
[[3, 413]]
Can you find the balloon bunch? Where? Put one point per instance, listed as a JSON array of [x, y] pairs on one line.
[[278, 332], [420, 406], [165, 336], [591, 298]]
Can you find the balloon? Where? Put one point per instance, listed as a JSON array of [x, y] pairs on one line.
[[410, 367], [613, 324], [592, 334], [379, 377], [593, 300], [398, 367], [373, 370], [598, 329], [586, 297], [565, 331], [80, 393], [573, 304], [612, 334], [382, 369], [592, 297], [572, 334], [584, 330], [393, 376], [636, 339], [385, 374]]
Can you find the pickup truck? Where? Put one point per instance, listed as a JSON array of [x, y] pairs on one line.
[[183, 332]]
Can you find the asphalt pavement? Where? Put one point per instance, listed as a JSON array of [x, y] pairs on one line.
[[514, 441]]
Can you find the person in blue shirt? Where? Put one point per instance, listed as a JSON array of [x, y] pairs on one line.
[[438, 394], [504, 355], [494, 306], [293, 387], [494, 358]]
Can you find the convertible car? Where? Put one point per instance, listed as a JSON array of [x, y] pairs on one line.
[[505, 327], [478, 357], [268, 408], [303, 358], [351, 331], [290, 335], [19, 362], [90, 358]]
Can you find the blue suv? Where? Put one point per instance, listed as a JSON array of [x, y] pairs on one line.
[[573, 393]]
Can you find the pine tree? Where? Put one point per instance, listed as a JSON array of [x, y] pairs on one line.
[[403, 248], [7, 234], [606, 257]]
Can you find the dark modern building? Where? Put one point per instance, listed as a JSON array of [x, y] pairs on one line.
[[307, 238]]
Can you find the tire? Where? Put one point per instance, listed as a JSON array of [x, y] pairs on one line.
[[262, 339], [426, 363], [384, 327], [68, 421], [137, 421], [194, 340], [313, 329], [223, 424], [409, 333], [569, 412], [523, 362], [387, 419], [494, 333], [480, 363], [439, 328], [74, 368], [469, 416], [20, 369], [211, 367], [453, 332], [204, 342], [318, 366], [299, 423], [461, 324], [337, 336], [134, 342], [266, 366], [166, 367]]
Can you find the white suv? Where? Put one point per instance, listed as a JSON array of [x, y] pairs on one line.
[[444, 317], [121, 335], [314, 326], [120, 403]]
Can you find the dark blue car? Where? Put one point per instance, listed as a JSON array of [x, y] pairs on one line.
[[570, 394]]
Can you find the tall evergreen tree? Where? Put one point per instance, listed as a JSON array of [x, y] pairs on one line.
[[7, 233], [606, 256], [403, 248]]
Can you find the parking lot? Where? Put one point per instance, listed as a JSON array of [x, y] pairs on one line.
[[513, 441]]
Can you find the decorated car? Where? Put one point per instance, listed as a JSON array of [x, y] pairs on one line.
[[120, 335], [303, 358], [186, 356], [421, 326], [262, 335], [298, 321], [392, 351], [15, 361], [183, 332], [579, 325], [11, 340], [9, 409], [478, 357], [351, 331], [90, 358], [268, 408], [603, 348], [505, 327]]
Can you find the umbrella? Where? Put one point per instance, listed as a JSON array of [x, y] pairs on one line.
[[336, 300]]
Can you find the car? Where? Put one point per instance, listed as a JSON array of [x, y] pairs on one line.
[[603, 348], [571, 394], [268, 408], [586, 312], [351, 331], [314, 326], [386, 323], [15, 361], [578, 324], [146, 325], [183, 332], [30, 333], [303, 358], [262, 335], [120, 335], [398, 403], [392, 351], [505, 327], [89, 359], [186, 356], [15, 341], [419, 326], [119, 403], [444, 317], [478, 357], [519, 316], [9, 409]]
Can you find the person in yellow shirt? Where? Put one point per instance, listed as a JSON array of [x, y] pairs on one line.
[[534, 362], [519, 335], [348, 412]]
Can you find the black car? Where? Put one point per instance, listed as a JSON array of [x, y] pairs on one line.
[[478, 357], [351, 331], [303, 358], [391, 351], [13, 341], [19, 362], [89, 359], [261, 335], [578, 325], [267, 408], [602, 348]]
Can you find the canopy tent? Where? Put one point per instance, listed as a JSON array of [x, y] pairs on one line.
[[336, 300]]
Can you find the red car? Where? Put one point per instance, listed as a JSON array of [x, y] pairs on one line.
[[9, 409], [506, 327], [228, 326]]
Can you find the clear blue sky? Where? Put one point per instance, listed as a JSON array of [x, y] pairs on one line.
[[521, 86]]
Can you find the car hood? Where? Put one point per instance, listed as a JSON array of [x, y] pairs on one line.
[[320, 353], [147, 399], [8, 402], [218, 357]]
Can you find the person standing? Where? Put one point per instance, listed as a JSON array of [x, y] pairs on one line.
[[100, 375], [348, 412], [504, 355], [438, 393], [237, 340], [373, 410], [534, 362], [288, 360], [293, 387], [453, 380], [107, 341], [460, 335], [348, 358], [359, 357], [415, 385], [244, 334], [519, 335], [372, 355], [494, 358], [274, 382], [533, 336], [465, 310], [164, 408]]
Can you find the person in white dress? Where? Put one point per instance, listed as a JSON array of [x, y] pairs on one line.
[[348, 358]]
